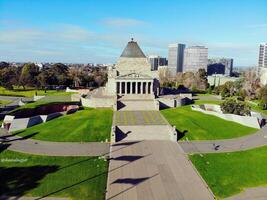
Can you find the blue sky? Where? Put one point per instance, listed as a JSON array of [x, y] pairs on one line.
[[98, 30]]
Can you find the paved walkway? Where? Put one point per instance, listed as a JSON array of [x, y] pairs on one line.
[[126, 118], [229, 145], [32, 198], [258, 193], [144, 132], [38, 147], [153, 170]]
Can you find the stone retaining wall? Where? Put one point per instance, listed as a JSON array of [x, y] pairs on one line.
[[98, 102], [250, 121]]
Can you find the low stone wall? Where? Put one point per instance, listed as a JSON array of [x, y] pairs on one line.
[[172, 103], [98, 102], [250, 121], [78, 91], [15, 124], [44, 110], [36, 98]]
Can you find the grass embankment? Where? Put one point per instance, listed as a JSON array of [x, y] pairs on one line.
[[4, 102], [194, 125], [78, 178], [230, 173], [89, 125], [19, 92]]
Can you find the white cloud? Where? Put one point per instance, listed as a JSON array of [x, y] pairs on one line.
[[122, 22]]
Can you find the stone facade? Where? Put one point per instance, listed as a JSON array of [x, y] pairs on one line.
[[132, 74]]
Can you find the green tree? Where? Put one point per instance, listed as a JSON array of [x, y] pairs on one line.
[[263, 96], [9, 77], [233, 106], [28, 76]]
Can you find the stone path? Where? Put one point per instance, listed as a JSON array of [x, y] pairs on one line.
[[257, 193], [38, 147], [257, 139], [32, 198], [143, 132], [153, 170], [126, 118]]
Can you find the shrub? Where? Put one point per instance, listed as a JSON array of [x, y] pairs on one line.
[[233, 106]]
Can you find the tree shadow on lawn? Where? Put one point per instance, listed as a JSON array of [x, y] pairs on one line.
[[17, 181], [180, 134]]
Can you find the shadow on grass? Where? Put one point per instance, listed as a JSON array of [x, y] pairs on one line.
[[3, 147], [105, 173], [17, 181], [6, 139], [181, 134]]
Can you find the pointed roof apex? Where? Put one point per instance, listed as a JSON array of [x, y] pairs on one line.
[[132, 50]]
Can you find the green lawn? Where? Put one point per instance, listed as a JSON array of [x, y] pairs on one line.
[[195, 125], [79, 178], [229, 173], [4, 102], [258, 109], [89, 125], [199, 102], [31, 92]]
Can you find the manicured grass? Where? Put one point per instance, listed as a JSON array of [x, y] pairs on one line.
[[229, 173], [199, 102], [87, 125], [4, 102], [258, 108], [78, 178], [195, 125], [31, 92]]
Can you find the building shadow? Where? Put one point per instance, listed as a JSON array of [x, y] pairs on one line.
[[17, 181], [127, 158], [125, 143], [120, 135], [132, 181], [120, 105]]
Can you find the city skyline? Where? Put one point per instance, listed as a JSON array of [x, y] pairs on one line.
[[91, 32]]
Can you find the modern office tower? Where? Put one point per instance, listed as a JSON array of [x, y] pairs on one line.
[[195, 58], [220, 66], [263, 55], [262, 67], [176, 58], [156, 61]]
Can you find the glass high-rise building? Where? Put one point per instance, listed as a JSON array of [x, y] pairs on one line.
[[195, 58], [176, 58], [263, 55]]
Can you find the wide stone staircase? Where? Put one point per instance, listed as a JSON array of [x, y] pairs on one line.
[[141, 125], [135, 105]]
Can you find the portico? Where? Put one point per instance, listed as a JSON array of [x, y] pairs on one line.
[[134, 87]]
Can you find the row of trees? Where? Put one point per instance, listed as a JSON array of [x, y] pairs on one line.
[[30, 75], [247, 88], [194, 81]]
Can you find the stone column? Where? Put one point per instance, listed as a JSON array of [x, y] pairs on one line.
[[151, 88], [131, 87], [147, 88], [141, 92], [120, 83], [136, 87]]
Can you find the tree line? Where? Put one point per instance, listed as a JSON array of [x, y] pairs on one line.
[[31, 75]]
